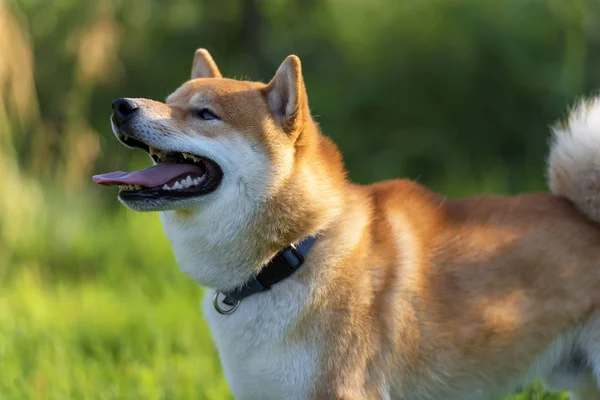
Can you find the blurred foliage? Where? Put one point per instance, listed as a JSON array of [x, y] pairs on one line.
[[455, 93]]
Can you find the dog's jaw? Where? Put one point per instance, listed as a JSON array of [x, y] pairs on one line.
[[215, 243], [211, 244]]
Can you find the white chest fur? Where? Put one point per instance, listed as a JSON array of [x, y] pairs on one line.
[[260, 358]]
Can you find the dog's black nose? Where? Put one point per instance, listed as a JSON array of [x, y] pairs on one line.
[[125, 109]]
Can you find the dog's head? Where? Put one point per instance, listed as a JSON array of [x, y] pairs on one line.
[[213, 138], [240, 168]]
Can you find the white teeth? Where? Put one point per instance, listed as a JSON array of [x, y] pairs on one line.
[[159, 154], [183, 183], [194, 158], [130, 187]]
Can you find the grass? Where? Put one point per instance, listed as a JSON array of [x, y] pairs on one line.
[[91, 341], [92, 306]]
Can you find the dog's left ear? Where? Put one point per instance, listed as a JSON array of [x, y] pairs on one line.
[[286, 95], [204, 66]]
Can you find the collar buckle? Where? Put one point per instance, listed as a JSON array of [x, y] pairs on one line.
[[292, 258], [224, 311]]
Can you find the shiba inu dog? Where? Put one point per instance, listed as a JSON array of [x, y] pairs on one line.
[[318, 288]]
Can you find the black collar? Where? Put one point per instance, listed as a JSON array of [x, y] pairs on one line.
[[283, 265]]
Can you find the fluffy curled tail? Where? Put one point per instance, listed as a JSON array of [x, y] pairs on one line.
[[574, 162]]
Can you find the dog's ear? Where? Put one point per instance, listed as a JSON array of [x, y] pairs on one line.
[[286, 94], [204, 66]]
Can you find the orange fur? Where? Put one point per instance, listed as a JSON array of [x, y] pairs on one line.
[[412, 295]]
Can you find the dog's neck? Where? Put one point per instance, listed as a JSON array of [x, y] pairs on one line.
[[225, 245]]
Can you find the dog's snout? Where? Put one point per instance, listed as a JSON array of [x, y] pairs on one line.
[[125, 109]]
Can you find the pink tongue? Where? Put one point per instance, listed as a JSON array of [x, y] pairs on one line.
[[154, 176]]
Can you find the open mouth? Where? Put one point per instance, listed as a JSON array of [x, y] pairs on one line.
[[175, 175]]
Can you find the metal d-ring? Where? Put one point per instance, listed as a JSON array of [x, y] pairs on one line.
[[221, 310]]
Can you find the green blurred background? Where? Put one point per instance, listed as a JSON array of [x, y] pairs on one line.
[[457, 94]]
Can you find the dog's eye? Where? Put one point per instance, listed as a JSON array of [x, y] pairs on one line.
[[205, 114]]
